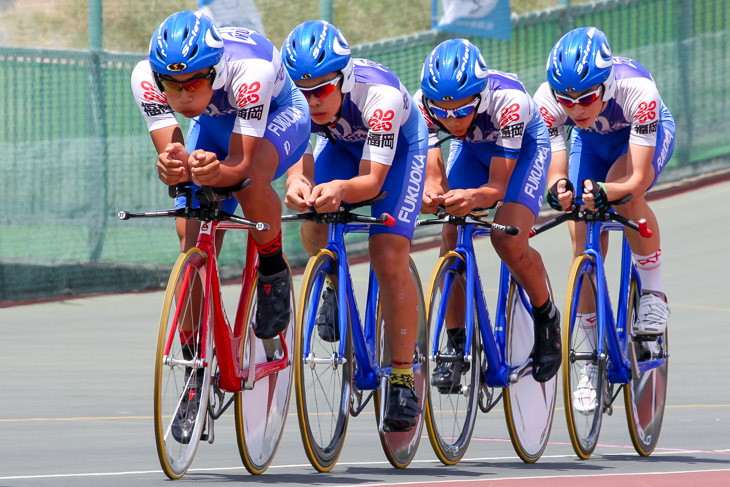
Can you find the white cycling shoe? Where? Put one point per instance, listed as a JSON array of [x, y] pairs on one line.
[[653, 315], [584, 397]]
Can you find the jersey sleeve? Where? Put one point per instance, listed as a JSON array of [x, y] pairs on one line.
[[151, 102], [553, 115], [383, 113], [513, 110], [252, 85], [641, 103]]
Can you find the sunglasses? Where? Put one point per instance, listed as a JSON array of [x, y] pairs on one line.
[[584, 100], [461, 112], [322, 89], [193, 84]]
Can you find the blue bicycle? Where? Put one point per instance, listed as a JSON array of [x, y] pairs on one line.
[[325, 365], [492, 357], [600, 352]]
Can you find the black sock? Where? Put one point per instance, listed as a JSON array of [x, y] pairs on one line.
[[544, 313], [271, 257]]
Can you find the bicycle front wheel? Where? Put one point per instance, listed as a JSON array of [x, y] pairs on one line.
[[584, 372], [261, 411], [180, 361], [528, 405], [400, 447], [322, 378], [451, 411], [645, 396]]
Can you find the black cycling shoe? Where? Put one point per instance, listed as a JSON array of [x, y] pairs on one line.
[[184, 422], [547, 354], [401, 412], [327, 316], [274, 304], [446, 376]]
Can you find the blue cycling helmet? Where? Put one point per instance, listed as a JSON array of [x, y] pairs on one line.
[[185, 42], [580, 60], [455, 69], [315, 48]]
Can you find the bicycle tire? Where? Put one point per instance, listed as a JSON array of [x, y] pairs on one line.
[[529, 406], [584, 422], [401, 447], [181, 304], [450, 416], [260, 412], [645, 396], [323, 390]]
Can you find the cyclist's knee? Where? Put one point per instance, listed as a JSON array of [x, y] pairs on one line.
[[510, 249]]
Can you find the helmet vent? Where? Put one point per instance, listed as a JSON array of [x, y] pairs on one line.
[[321, 57], [187, 31], [195, 50]]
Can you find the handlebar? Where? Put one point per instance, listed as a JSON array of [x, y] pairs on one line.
[[210, 199], [344, 214], [578, 214], [473, 218]]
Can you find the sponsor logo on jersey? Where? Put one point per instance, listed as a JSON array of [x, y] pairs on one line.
[[509, 114], [381, 140], [515, 130], [537, 173], [646, 112], [412, 200], [151, 93], [381, 120], [663, 156], [549, 119], [251, 113], [247, 94], [288, 117]]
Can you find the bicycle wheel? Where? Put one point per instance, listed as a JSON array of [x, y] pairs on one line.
[[584, 373], [183, 315], [450, 414], [645, 396], [323, 380], [401, 447], [528, 405], [261, 411]]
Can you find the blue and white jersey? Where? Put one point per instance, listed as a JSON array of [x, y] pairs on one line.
[[374, 114], [505, 115], [636, 104], [255, 83]]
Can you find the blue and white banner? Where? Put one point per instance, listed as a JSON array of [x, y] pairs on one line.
[[233, 13], [483, 18]]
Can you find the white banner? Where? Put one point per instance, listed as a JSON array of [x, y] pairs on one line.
[[483, 18], [233, 13]]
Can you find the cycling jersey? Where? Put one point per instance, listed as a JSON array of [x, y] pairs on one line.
[[378, 122], [257, 99], [635, 114], [508, 124]]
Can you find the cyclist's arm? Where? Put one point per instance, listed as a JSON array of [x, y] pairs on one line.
[[366, 185], [500, 170], [299, 183], [436, 181], [639, 174], [172, 156]]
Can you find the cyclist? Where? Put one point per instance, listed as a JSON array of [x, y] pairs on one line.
[[248, 121], [499, 152], [621, 137], [371, 138]]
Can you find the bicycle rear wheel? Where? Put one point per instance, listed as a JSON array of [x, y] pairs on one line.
[[451, 414], [323, 379], [645, 396], [183, 318], [401, 447], [583, 369], [261, 412], [528, 405]]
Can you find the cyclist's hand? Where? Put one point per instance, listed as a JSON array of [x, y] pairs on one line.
[[326, 197], [594, 195], [459, 202], [205, 168], [560, 196], [298, 190], [172, 167], [432, 198]]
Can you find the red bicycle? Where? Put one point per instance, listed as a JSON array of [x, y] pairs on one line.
[[200, 358]]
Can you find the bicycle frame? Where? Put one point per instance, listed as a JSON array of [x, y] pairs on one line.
[[609, 331], [234, 376], [498, 373]]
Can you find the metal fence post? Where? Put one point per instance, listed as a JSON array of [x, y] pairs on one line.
[[96, 185], [325, 10], [685, 72]]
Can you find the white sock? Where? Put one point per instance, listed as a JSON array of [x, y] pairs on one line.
[[650, 271]]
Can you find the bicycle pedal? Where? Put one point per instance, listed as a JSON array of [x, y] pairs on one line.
[[646, 338]]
